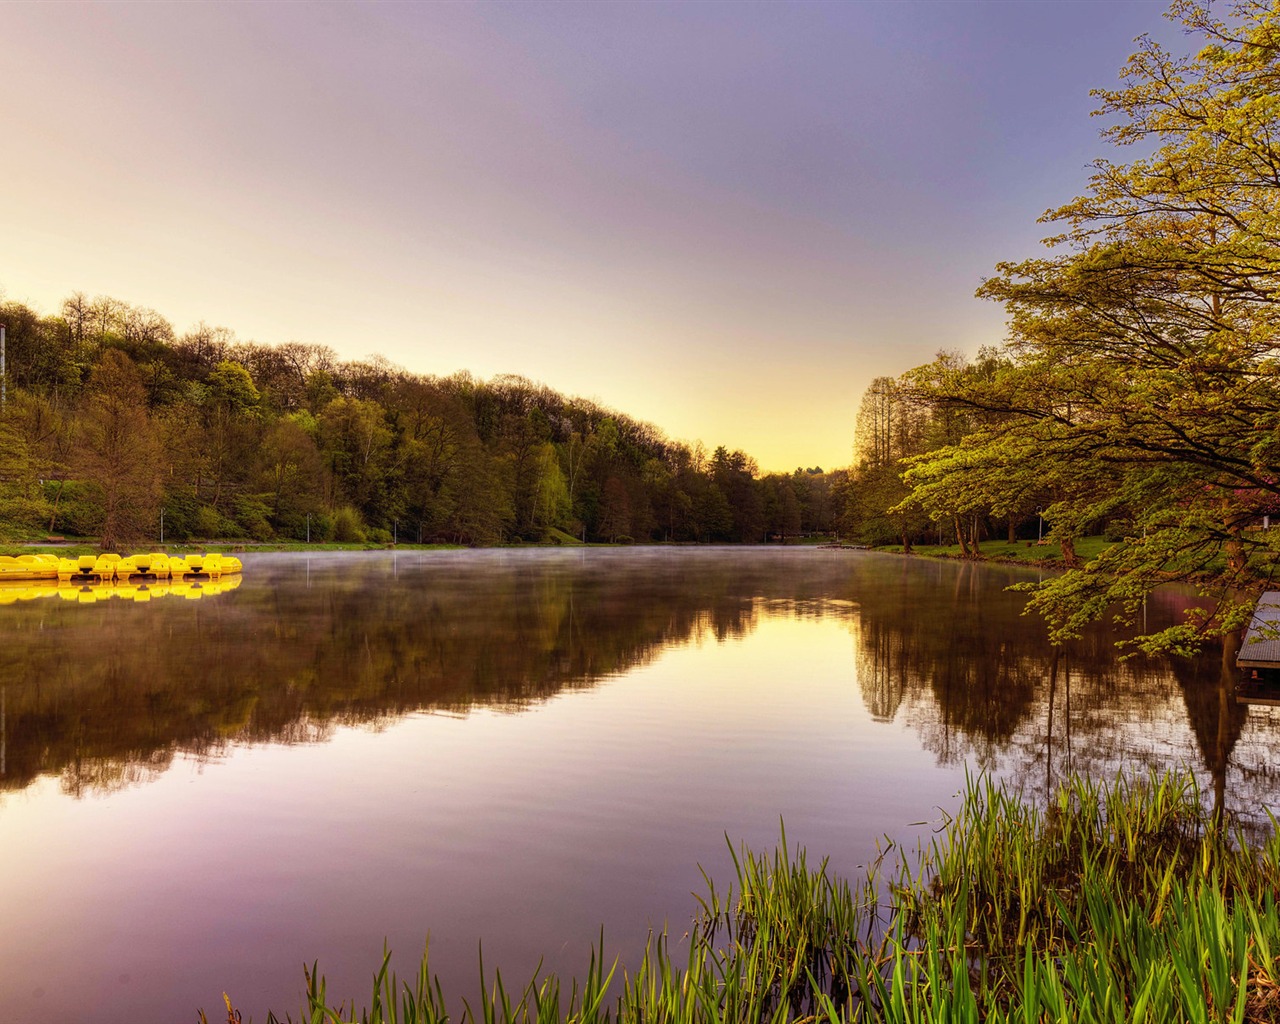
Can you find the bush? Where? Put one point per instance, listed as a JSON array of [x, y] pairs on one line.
[[348, 527], [209, 523], [1119, 529], [180, 511], [252, 513], [24, 514], [79, 509]]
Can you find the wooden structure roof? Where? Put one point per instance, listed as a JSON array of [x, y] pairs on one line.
[[1261, 646]]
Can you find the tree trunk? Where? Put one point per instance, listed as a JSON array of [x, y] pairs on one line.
[[1236, 558], [1013, 533], [906, 543], [964, 547], [1069, 555], [53, 509]]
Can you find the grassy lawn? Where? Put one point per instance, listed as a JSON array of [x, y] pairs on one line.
[[74, 548], [1021, 551]]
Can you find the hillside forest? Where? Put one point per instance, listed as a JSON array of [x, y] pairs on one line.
[[113, 419]]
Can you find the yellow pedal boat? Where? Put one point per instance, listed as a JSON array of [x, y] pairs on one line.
[[28, 567]]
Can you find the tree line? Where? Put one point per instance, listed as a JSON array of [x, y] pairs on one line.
[[119, 427], [1138, 393]]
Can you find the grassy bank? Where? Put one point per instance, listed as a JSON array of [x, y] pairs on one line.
[[1127, 902], [1022, 551], [76, 548]]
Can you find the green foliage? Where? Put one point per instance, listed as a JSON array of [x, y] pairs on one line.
[[230, 385], [117, 452], [1141, 384], [210, 523], [347, 527], [235, 439], [252, 515], [23, 516], [23, 505], [76, 511]]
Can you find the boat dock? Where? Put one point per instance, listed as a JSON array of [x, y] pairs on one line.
[[1261, 646]]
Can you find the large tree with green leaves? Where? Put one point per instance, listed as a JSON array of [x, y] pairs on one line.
[[1143, 381]]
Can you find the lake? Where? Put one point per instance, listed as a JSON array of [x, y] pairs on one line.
[[203, 792]]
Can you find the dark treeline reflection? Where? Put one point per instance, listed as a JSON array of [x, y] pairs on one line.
[[979, 685], [104, 696]]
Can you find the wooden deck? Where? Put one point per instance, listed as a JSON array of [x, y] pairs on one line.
[[1261, 646]]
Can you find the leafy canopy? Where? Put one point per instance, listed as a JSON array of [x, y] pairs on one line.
[[1141, 381]]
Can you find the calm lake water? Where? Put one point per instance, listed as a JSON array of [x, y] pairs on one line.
[[198, 796]]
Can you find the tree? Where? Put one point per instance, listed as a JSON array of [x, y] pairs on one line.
[[48, 434], [356, 441], [248, 439], [551, 494], [891, 428], [292, 471], [1143, 350], [615, 510], [21, 502], [118, 454]]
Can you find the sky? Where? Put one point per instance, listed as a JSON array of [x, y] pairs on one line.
[[722, 218]]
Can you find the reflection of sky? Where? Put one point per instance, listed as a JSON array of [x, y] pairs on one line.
[[528, 829], [723, 218]]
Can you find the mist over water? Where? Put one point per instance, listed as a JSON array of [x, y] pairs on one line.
[[519, 747]]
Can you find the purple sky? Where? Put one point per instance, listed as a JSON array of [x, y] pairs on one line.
[[724, 218]]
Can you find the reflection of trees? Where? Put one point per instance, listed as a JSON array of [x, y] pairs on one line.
[[944, 645], [980, 684], [106, 696]]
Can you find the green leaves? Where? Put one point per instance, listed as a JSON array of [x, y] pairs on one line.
[[1140, 387]]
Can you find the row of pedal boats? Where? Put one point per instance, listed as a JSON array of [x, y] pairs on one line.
[[111, 568]]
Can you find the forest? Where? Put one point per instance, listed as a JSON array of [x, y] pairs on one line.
[[113, 420]]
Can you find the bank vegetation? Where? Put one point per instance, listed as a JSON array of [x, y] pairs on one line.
[[1129, 902]]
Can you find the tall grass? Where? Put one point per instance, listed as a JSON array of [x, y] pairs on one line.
[[1126, 902]]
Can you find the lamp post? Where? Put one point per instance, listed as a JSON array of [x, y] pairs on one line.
[[308, 527], [1040, 530], [162, 526], [395, 532]]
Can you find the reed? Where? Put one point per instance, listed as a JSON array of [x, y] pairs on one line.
[[1125, 902]]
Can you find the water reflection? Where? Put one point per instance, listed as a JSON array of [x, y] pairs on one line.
[[104, 698], [980, 689], [122, 590]]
